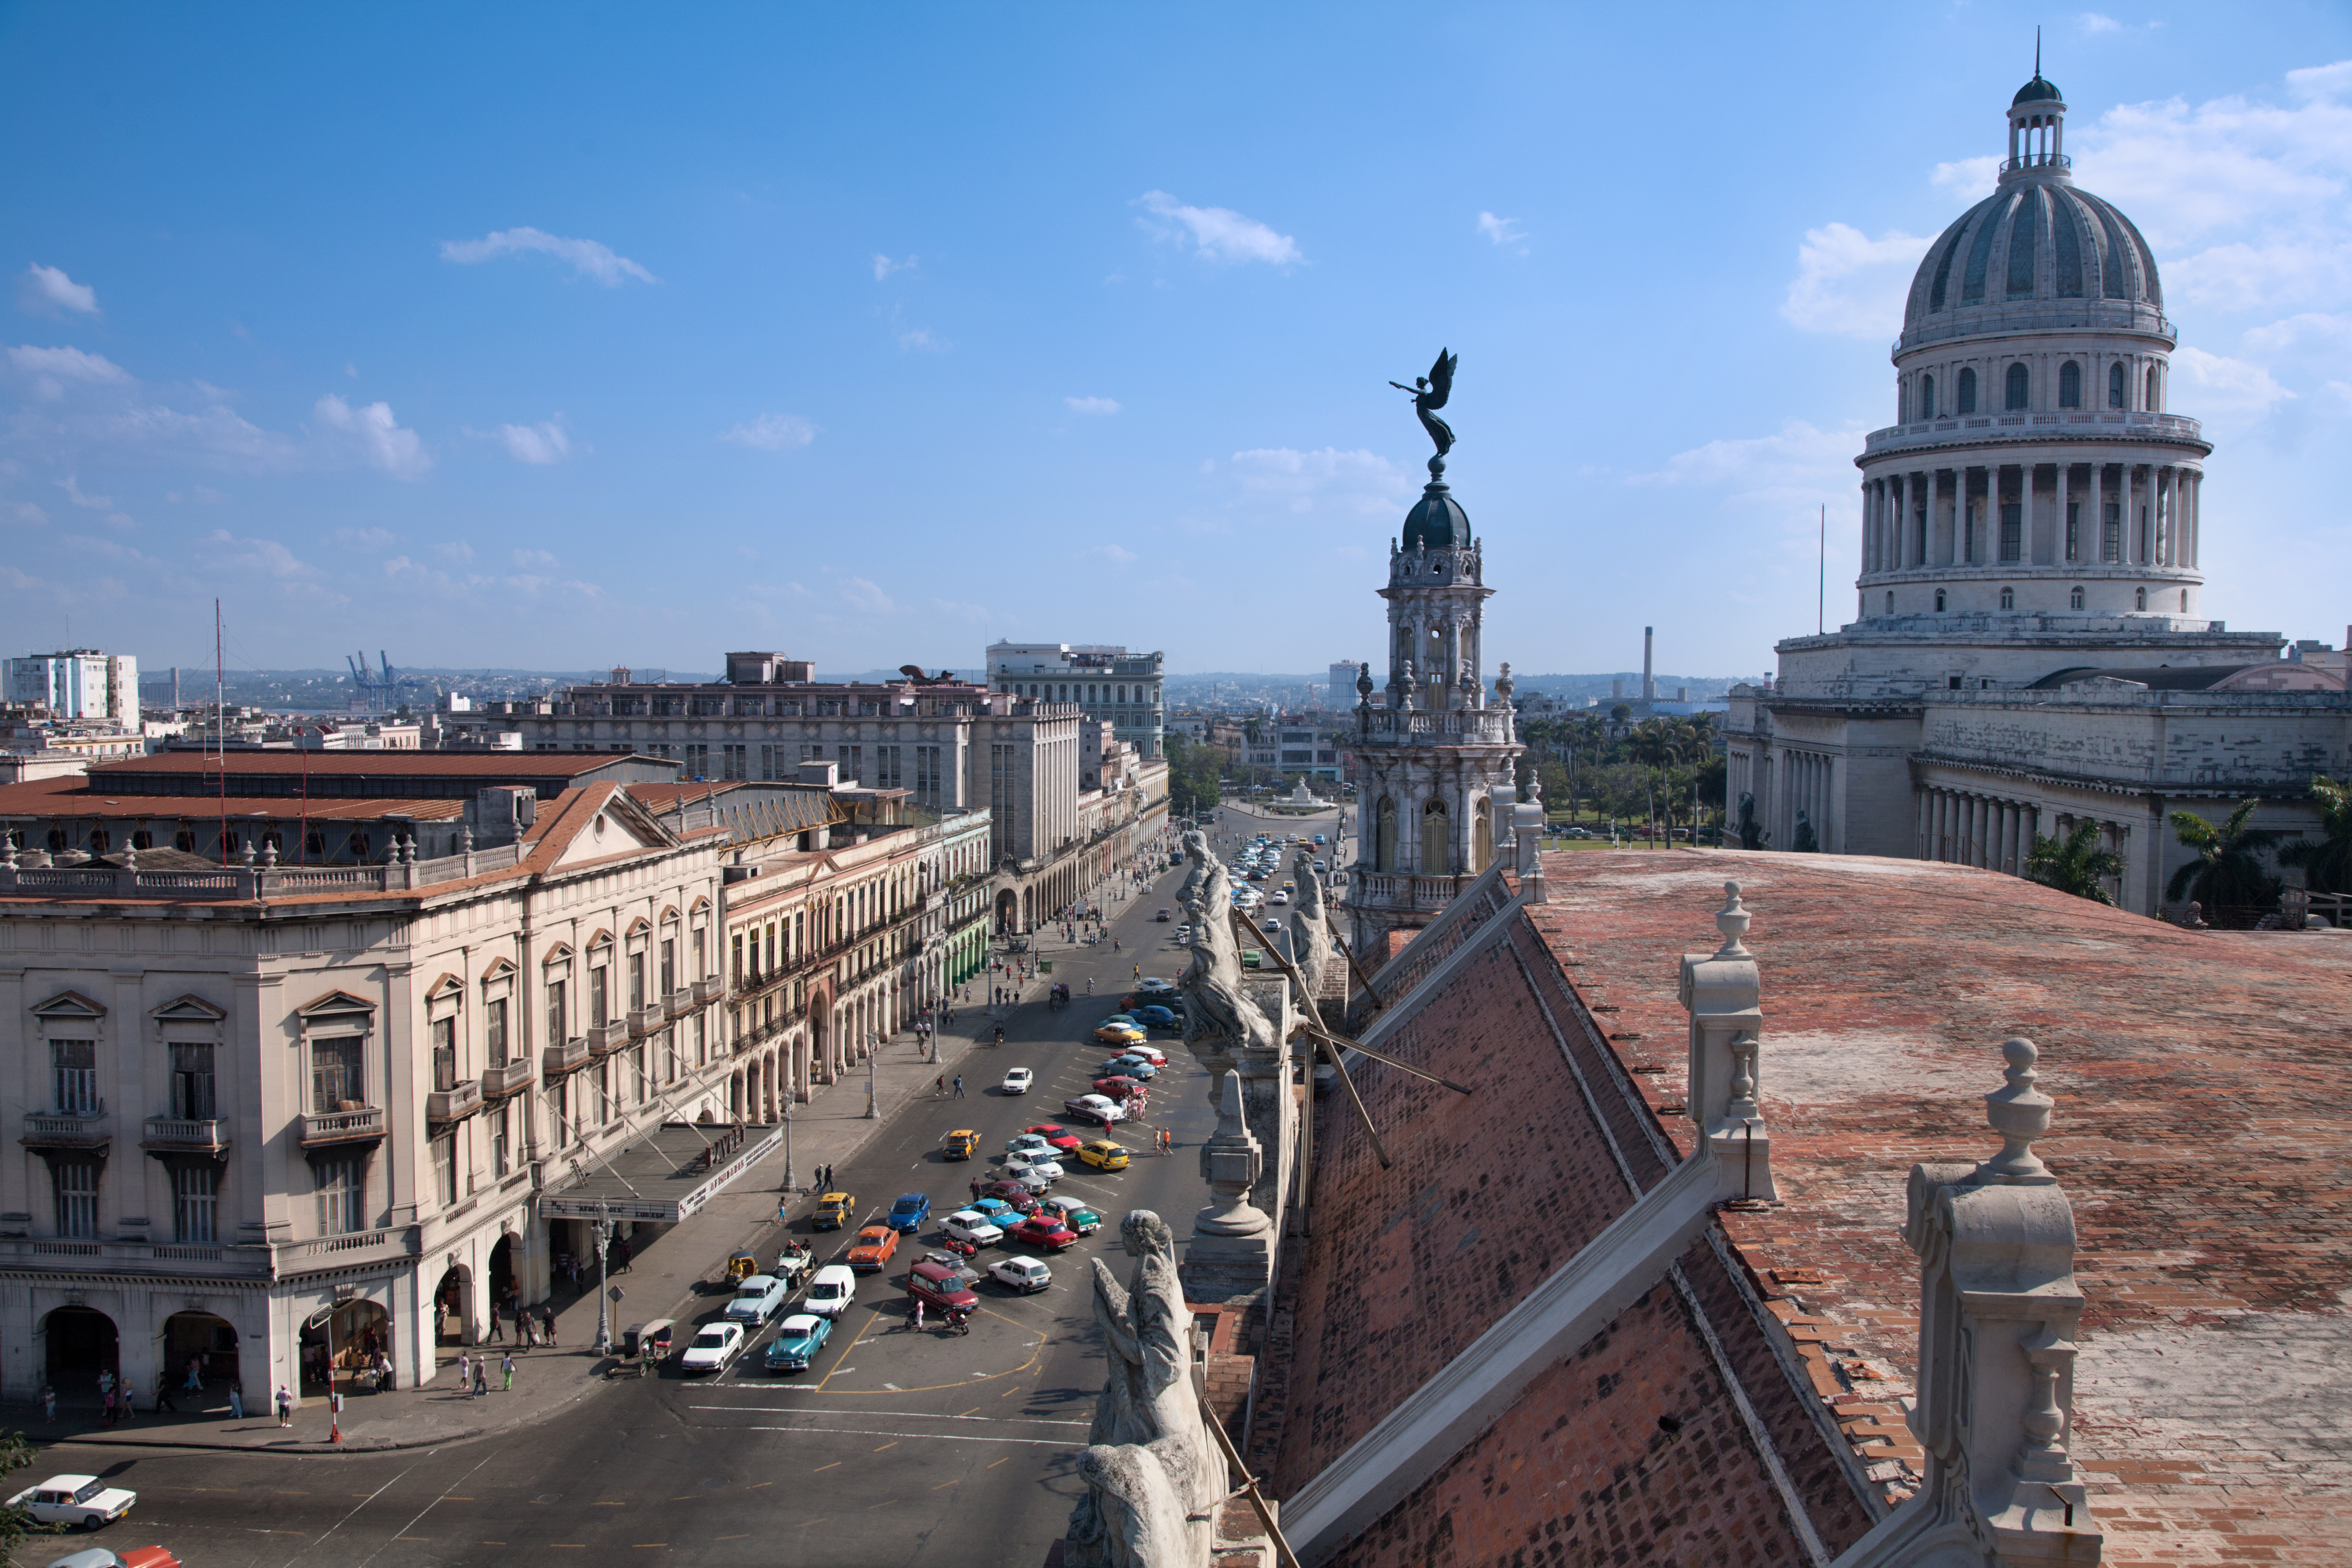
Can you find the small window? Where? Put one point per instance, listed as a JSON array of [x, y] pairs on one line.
[[1927, 398], [2074, 599], [1968, 402], [1939, 598], [2154, 402], [2018, 387], [2140, 599], [2184, 601], [2008, 598], [2115, 386], [1890, 601], [2070, 386]]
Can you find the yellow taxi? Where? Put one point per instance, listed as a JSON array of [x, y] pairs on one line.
[[1103, 1155], [1119, 1035], [832, 1211], [960, 1144]]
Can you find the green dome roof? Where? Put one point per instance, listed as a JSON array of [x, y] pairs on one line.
[[1437, 520], [2039, 91]]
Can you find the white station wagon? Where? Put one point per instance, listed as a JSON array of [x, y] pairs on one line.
[[84, 1500]]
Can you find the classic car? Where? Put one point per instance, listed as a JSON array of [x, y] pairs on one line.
[[797, 1341], [1094, 1107], [1060, 1137], [971, 1227], [1044, 1231], [832, 1211], [1103, 1155], [757, 1299], [713, 1346], [84, 1500], [1026, 1275], [873, 1248], [1073, 1214]]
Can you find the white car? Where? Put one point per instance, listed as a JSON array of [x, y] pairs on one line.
[[1150, 1053], [1279, 897], [1096, 1108], [714, 1346], [757, 1299], [75, 1500], [829, 1291], [970, 1226], [1018, 1080], [1032, 1168], [1026, 1275], [1155, 986], [1028, 1143]]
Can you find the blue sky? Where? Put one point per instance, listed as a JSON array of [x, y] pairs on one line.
[[564, 336]]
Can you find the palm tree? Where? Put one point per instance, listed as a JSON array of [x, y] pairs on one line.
[[2327, 861], [2076, 866], [2227, 871]]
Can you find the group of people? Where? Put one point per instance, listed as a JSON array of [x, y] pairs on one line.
[[473, 1373]]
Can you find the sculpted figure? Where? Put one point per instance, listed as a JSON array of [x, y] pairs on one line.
[[1154, 1477], [1217, 1006], [1310, 930]]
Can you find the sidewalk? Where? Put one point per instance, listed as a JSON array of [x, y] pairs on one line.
[[670, 1276]]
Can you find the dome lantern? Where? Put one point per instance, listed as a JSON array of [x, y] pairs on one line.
[[2037, 125]]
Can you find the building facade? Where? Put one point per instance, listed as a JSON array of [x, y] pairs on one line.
[[2029, 654], [1106, 682], [79, 683]]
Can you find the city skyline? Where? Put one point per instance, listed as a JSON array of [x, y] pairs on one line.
[[499, 377]]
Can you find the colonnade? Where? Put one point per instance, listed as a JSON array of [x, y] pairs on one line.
[[1951, 516], [1807, 784]]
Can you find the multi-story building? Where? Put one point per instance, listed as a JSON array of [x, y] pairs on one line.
[[1106, 682], [79, 683], [1343, 685]]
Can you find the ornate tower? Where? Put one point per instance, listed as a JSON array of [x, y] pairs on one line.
[[1432, 757]]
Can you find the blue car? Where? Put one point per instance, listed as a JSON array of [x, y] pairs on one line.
[[1155, 1017], [797, 1342], [908, 1215], [997, 1211], [1135, 1067]]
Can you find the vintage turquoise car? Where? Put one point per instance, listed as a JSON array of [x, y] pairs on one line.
[[796, 1343]]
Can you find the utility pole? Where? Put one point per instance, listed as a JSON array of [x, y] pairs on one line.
[[873, 1049], [604, 1279]]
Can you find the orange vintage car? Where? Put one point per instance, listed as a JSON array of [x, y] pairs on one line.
[[875, 1245]]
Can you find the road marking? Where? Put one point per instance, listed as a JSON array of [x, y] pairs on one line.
[[755, 1486], [933, 1436], [1006, 1460], [902, 1415], [835, 1466], [421, 1513], [489, 1543], [806, 1523], [973, 1409], [872, 1506], [608, 1505], [731, 1538], [411, 1538], [646, 1545], [873, 1316], [944, 1485], [370, 1497], [884, 1445]]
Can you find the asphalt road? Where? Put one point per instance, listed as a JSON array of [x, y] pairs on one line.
[[898, 1447]]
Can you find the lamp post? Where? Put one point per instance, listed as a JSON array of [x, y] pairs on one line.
[[788, 1141], [604, 1281], [873, 1049]]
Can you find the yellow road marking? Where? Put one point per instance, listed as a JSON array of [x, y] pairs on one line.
[[608, 1505], [453, 1496], [973, 1408], [871, 1507], [944, 1485], [1006, 1460], [892, 1444], [411, 1538], [755, 1486], [647, 1545], [283, 1492], [731, 1538], [872, 1316], [687, 1498], [835, 1466]]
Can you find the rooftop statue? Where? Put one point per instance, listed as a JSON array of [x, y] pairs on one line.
[[1429, 395]]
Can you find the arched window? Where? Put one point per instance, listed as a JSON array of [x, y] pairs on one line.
[[2074, 599], [1436, 841], [2008, 598], [2070, 386], [2116, 384], [2154, 402], [2140, 601], [1927, 398], [1939, 598], [2016, 387], [2184, 601], [1967, 404]]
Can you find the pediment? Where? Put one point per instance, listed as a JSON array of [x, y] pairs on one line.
[[69, 1004], [333, 1002], [187, 1008]]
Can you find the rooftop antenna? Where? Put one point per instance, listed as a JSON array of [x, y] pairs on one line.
[[1821, 585], [2037, 48]]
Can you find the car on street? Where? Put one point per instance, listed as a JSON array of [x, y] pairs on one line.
[[1018, 1080], [1119, 1087], [1115, 1034], [1060, 1137], [832, 1211], [84, 1500], [1123, 1018], [1027, 1162], [1320, 867], [1279, 898], [971, 1227], [1155, 1017], [1153, 986], [1094, 1107], [909, 1212], [1026, 1275], [1011, 1192], [1074, 1214], [1320, 839], [958, 1144], [1042, 1230], [955, 1264], [1104, 1156], [100, 1557], [714, 1345], [874, 1248], [1163, 915], [1138, 1067], [1032, 1140], [757, 1299], [1147, 1052], [831, 1291], [939, 1289], [797, 1341], [1251, 958]]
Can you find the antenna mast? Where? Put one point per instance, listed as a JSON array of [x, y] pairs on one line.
[[220, 725], [1822, 588]]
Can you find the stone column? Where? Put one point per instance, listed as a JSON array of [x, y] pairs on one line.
[[2065, 496], [1721, 994], [1232, 1248], [2090, 551]]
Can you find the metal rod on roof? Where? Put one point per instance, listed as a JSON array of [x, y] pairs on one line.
[[1248, 1488], [1343, 1043], [1243, 921]]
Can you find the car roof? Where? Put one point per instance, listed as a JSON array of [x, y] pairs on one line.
[[876, 1230], [804, 1319], [911, 1198], [65, 1483], [832, 1197], [758, 1282], [833, 1271]]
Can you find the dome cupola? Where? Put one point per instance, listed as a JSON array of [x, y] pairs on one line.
[[1436, 521]]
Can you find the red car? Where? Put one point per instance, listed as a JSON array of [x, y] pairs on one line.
[[1060, 1137], [1118, 1089], [1042, 1230], [1012, 1195]]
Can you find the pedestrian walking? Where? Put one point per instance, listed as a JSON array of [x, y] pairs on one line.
[[941, 1086], [48, 1403], [481, 1377], [285, 1406], [547, 1321], [498, 1329], [465, 1370], [918, 1312], [506, 1370], [164, 1395], [958, 1093], [196, 1376], [236, 1401]]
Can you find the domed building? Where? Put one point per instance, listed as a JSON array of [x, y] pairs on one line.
[[2029, 650]]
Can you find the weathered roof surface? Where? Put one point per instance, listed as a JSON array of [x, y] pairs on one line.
[[36, 800], [2204, 1101]]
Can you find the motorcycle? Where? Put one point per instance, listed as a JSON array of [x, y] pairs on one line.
[[958, 1322]]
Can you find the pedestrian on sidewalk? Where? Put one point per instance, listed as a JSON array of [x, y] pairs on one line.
[[547, 1321], [285, 1406], [465, 1370], [236, 1401], [164, 1395], [506, 1370], [49, 1405], [498, 1329], [481, 1377]]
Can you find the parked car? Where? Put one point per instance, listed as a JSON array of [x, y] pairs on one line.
[[875, 1245], [1025, 1163], [1155, 1017], [1153, 986], [971, 1227], [1073, 1214], [1042, 1230], [1060, 1137], [1006, 1192], [1026, 1275], [1118, 1034], [1094, 1107], [1148, 1052], [84, 1500], [100, 1557], [832, 1211], [757, 1299], [797, 1341], [1104, 1156], [1018, 1080], [831, 1291], [939, 1289], [954, 1264], [909, 1212], [1138, 1067], [1028, 1141], [714, 1345], [960, 1144]]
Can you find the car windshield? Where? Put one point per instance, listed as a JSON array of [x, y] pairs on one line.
[[90, 1491], [825, 1290], [709, 1339], [750, 1291]]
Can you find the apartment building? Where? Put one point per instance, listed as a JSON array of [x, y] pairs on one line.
[[1106, 682], [77, 683]]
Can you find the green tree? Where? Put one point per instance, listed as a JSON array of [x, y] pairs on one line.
[[1194, 769], [2076, 866], [2228, 872], [2326, 860], [18, 1525]]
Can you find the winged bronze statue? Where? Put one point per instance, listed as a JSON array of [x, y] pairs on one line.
[[1429, 395]]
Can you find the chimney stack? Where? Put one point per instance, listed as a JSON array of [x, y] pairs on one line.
[[1649, 681]]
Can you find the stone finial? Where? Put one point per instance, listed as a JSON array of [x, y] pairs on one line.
[[130, 856], [1363, 686], [246, 857], [9, 850], [269, 854], [2020, 1113], [465, 839], [1732, 921]]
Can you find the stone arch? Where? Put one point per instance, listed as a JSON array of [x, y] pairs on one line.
[[1482, 835], [1007, 906], [206, 1338], [80, 1343], [347, 1334], [453, 1298]]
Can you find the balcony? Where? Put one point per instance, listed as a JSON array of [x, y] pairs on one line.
[[359, 1124], [513, 1078], [456, 1102], [351, 1247], [1395, 891], [567, 1056], [194, 1260], [644, 1020], [709, 989], [1440, 727], [179, 1135], [68, 1129], [603, 1040], [677, 1004]]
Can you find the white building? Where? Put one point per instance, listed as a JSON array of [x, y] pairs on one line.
[[2028, 652], [1343, 684], [79, 683], [1107, 682]]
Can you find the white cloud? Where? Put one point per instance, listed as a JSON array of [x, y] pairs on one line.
[[51, 369], [921, 337], [1851, 284], [2247, 275], [883, 265], [542, 560], [2093, 23], [1503, 230], [1092, 405], [365, 538], [1117, 555], [1784, 478], [545, 443], [456, 551], [75, 494], [203, 495], [2322, 81], [373, 435], [1219, 234], [2297, 331], [864, 595], [26, 512], [260, 557], [589, 259], [1969, 179], [771, 433], [1361, 483], [2213, 384], [46, 290]]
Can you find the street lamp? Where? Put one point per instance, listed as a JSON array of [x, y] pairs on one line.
[[604, 1281]]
